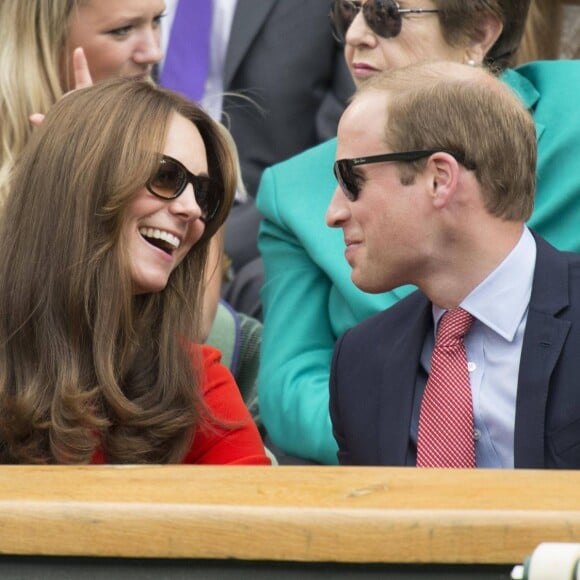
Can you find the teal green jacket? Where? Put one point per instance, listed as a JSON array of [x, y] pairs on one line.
[[308, 297]]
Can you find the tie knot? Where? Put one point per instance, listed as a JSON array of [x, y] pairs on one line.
[[453, 326]]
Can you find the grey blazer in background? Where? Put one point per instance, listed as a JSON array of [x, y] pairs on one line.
[[291, 72], [282, 55]]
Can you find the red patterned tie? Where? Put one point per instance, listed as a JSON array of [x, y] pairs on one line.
[[445, 436]]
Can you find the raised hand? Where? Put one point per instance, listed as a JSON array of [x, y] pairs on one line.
[[82, 78]]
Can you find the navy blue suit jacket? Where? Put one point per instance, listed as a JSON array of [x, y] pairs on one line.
[[375, 365]]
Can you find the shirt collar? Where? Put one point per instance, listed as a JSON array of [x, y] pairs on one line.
[[501, 300]]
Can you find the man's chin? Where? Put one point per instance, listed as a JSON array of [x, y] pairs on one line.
[[370, 285], [363, 284]]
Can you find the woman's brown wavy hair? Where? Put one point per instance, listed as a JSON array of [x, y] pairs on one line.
[[83, 362]]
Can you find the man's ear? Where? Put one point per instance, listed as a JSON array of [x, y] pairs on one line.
[[485, 36], [443, 174]]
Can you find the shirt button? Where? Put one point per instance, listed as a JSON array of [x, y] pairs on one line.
[[476, 434], [471, 366]]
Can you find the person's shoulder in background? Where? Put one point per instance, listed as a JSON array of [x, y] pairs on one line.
[[299, 176]]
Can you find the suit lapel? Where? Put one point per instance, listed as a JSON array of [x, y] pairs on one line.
[[544, 339], [248, 19], [397, 386]]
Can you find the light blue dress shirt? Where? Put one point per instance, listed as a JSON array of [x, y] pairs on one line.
[[493, 347]]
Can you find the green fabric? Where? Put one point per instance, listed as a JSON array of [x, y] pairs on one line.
[[308, 297], [236, 335], [222, 334], [248, 362]]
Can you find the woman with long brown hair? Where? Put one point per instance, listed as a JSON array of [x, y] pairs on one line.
[[105, 236]]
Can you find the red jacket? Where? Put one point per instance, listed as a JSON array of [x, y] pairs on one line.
[[241, 444]]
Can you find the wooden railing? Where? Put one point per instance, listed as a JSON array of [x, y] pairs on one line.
[[308, 514]]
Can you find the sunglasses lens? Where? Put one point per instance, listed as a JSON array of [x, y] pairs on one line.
[[169, 179], [341, 17], [206, 198], [346, 179], [382, 17]]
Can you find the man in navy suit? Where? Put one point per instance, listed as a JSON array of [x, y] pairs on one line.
[[448, 215]]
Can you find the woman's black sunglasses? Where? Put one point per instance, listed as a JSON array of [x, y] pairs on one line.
[[383, 17], [171, 179], [350, 183]]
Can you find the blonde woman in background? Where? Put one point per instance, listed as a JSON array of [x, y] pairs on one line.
[[36, 56]]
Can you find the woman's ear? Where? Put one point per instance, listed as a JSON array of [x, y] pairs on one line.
[[485, 36]]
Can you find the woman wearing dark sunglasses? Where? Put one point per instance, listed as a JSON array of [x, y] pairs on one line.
[[41, 60], [308, 297], [105, 236]]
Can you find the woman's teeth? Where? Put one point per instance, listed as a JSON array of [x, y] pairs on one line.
[[155, 234]]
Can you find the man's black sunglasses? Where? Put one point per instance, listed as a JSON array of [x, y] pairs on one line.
[[383, 17], [171, 178], [350, 183]]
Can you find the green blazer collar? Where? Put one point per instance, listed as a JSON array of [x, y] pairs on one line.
[[526, 91]]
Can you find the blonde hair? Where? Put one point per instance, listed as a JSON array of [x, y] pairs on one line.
[[32, 53], [455, 107], [84, 362]]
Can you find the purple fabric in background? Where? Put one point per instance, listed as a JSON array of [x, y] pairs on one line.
[[186, 64]]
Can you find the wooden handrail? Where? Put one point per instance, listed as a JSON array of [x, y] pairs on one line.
[[312, 514]]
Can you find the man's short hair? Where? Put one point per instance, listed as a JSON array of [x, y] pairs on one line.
[[457, 107]]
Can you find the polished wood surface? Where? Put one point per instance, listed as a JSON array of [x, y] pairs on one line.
[[309, 514]]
